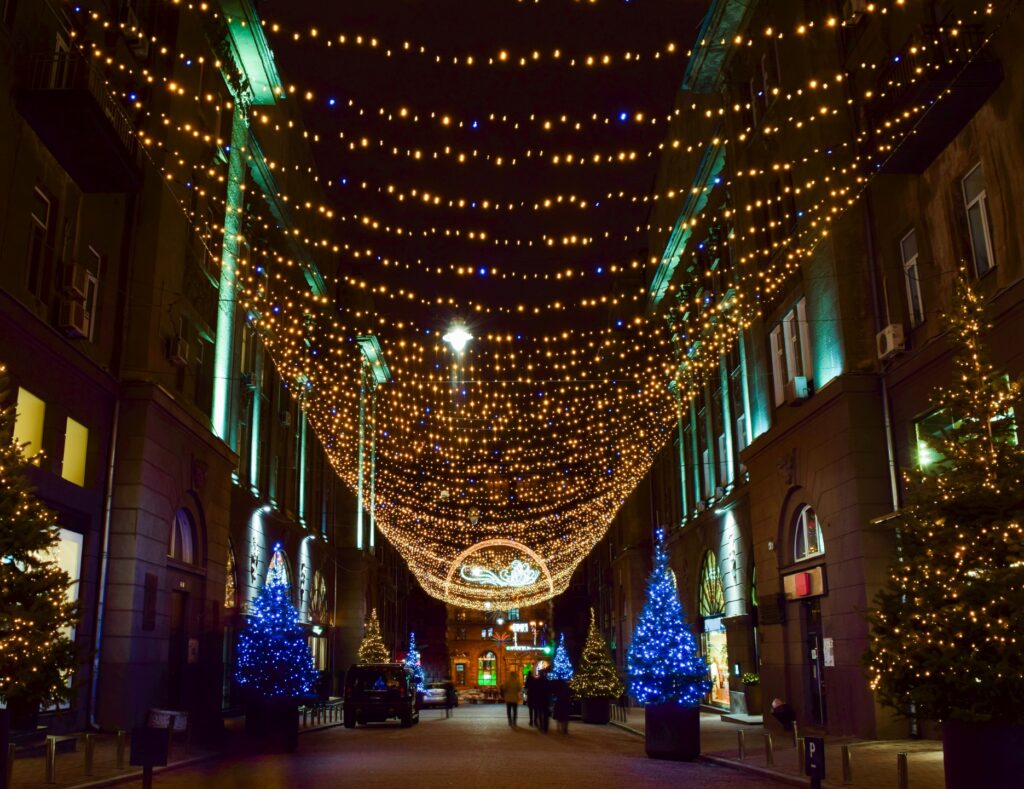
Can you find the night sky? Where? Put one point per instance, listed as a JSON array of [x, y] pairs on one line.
[[365, 76]]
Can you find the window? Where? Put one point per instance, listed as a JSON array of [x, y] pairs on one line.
[[28, 423], [39, 243], [76, 445], [230, 590], [460, 634], [92, 289], [723, 459], [182, 541], [976, 205], [712, 592], [487, 669], [513, 615], [318, 598], [791, 350], [911, 277], [807, 539], [932, 430], [318, 649]]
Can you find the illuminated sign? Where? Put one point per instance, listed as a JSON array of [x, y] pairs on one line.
[[526, 648], [517, 574], [519, 627], [807, 583]]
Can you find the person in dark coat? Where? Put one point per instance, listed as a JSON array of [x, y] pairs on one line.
[[449, 699], [542, 690], [562, 703], [531, 700]]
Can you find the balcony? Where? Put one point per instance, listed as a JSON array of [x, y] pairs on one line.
[[941, 78], [64, 99]]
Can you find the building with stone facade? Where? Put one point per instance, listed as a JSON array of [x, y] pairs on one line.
[[836, 178], [174, 453]]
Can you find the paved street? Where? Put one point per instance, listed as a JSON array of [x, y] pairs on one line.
[[474, 748]]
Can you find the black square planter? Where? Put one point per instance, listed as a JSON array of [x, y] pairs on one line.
[[673, 732]]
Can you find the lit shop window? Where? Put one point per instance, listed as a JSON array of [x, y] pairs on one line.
[[76, 445], [487, 673], [28, 424], [807, 540]]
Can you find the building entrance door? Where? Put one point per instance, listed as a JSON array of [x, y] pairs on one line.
[[815, 662], [177, 655]]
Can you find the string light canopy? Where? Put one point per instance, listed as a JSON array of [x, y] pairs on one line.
[[530, 391]]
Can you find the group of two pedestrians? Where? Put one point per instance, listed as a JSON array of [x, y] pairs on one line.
[[541, 694]]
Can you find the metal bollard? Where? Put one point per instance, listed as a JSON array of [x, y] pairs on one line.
[[121, 735], [170, 735], [51, 759], [741, 744], [769, 750], [90, 742], [796, 735], [305, 716], [800, 756], [847, 765], [10, 764], [902, 772]]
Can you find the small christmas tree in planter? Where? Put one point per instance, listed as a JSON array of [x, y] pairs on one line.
[[666, 671], [373, 649], [596, 682], [562, 668], [412, 661], [36, 655], [274, 665], [946, 628]]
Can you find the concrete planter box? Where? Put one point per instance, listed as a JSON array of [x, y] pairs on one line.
[[673, 732]]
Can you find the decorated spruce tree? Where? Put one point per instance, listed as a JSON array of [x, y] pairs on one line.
[[562, 668], [412, 661], [664, 663], [373, 649], [596, 677], [947, 627], [274, 661], [36, 654]]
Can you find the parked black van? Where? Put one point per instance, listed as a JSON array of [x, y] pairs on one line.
[[379, 691]]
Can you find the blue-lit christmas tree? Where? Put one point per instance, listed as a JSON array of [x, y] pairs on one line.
[[562, 668], [274, 661], [412, 661], [663, 661]]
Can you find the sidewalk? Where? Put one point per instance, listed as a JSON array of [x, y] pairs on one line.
[[873, 762], [30, 772]]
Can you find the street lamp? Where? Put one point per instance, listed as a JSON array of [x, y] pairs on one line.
[[458, 338]]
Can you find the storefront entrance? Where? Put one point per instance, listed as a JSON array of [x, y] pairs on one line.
[[815, 662], [714, 645]]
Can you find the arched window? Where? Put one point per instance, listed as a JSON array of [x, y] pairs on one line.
[[807, 540], [318, 600], [279, 568], [181, 545], [230, 594], [487, 669], [712, 593]]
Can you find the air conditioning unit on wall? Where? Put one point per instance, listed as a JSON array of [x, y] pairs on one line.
[[177, 351], [890, 341], [74, 320], [797, 390]]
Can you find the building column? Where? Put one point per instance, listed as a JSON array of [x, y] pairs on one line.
[[223, 367]]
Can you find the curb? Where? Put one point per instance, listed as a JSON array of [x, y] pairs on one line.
[[630, 729], [764, 772]]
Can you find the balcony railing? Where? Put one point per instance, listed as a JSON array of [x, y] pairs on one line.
[[64, 98]]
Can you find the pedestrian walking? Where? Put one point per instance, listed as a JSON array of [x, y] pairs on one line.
[[562, 703], [511, 690], [449, 699], [531, 700], [542, 690]]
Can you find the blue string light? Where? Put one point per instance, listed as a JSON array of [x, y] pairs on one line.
[[562, 668], [412, 660]]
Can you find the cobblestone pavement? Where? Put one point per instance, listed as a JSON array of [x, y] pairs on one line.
[[475, 747]]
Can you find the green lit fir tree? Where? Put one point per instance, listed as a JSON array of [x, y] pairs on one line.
[[373, 649], [274, 661], [596, 677], [947, 629], [36, 654], [561, 667], [412, 661], [664, 662]]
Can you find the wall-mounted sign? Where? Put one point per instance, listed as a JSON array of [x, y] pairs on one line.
[[519, 627], [524, 648], [806, 583], [828, 648]]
